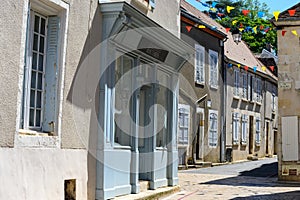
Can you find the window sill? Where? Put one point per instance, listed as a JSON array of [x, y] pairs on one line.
[[257, 144], [243, 143], [161, 148], [234, 144], [245, 100], [34, 139], [143, 3], [118, 146], [258, 103], [236, 97]]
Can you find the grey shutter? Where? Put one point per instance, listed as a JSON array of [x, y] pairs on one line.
[[51, 76], [289, 138]]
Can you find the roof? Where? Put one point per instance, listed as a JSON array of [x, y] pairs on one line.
[[237, 53], [286, 16]]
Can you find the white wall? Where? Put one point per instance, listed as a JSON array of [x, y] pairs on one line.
[[30, 174]]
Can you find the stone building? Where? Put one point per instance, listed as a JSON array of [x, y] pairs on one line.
[[89, 97], [288, 93]]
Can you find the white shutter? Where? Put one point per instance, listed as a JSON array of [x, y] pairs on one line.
[[235, 127], [253, 88], [236, 83], [257, 126], [199, 64], [244, 128], [289, 130], [51, 75], [213, 68], [213, 128]]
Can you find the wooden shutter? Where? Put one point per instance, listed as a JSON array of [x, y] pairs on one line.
[[51, 76], [235, 127], [289, 131], [199, 64]]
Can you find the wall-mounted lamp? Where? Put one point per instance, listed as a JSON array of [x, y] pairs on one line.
[[237, 36]]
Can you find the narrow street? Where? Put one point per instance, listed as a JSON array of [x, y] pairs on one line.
[[247, 180]]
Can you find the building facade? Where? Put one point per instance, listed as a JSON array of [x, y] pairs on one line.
[[91, 102], [201, 90], [288, 89]]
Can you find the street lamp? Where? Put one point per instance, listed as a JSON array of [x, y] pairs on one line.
[[237, 36]]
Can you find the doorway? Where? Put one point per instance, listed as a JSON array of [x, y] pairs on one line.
[[251, 135], [200, 134], [275, 142]]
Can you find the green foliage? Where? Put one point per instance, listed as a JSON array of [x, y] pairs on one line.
[[265, 31]]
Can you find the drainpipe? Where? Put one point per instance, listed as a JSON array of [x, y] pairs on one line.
[[223, 106]]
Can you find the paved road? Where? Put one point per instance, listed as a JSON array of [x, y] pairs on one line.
[[260, 168], [248, 180]]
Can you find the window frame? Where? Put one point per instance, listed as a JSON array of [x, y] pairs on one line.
[[47, 8], [244, 131], [213, 133], [235, 128], [257, 131], [213, 70], [258, 90], [201, 50], [186, 108], [236, 88]]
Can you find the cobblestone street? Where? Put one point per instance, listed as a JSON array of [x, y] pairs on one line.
[[247, 180]]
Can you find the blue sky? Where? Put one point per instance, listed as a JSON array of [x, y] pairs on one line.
[[274, 5]]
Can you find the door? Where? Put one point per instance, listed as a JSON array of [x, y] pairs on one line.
[[267, 138], [200, 134], [251, 135], [145, 140], [275, 143]]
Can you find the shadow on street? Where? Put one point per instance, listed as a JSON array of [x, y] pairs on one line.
[[295, 195]]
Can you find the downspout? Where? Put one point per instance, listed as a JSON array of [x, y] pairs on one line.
[[223, 106]]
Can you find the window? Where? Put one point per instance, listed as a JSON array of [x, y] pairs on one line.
[[258, 90], [199, 64], [251, 88], [213, 128], [257, 135], [42, 68], [236, 89], [213, 68], [245, 86], [235, 127], [184, 115], [244, 128]]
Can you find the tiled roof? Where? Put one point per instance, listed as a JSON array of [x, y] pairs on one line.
[[286, 16], [237, 53]]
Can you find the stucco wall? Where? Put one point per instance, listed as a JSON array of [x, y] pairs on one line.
[[195, 91], [241, 152], [31, 174], [10, 60]]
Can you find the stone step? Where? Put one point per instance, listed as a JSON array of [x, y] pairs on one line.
[[144, 185], [200, 163]]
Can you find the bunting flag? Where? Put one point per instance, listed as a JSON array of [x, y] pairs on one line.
[[245, 12], [246, 68], [254, 68], [239, 65], [201, 26], [255, 29], [213, 4], [241, 25], [267, 29], [229, 8], [229, 65], [221, 14], [263, 68], [261, 27], [214, 27], [234, 22], [295, 32], [241, 29], [292, 12], [204, 4], [272, 68], [260, 14], [213, 9], [227, 30], [276, 14], [188, 28], [283, 32]]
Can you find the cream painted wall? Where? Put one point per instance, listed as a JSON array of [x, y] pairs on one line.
[[34, 174]]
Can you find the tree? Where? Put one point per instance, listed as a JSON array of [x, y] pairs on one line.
[[256, 31]]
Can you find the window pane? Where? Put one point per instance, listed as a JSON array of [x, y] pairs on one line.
[[38, 118], [35, 42], [33, 79], [42, 40], [43, 22], [32, 98], [31, 117], [40, 81], [36, 23], [34, 60], [41, 62], [38, 99]]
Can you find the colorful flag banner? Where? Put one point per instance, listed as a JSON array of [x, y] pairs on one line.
[[255, 29], [201, 26], [272, 68], [229, 65], [239, 65], [246, 68], [260, 14], [229, 8], [295, 32], [213, 4], [234, 22], [276, 14], [245, 12], [263, 68], [227, 30], [188, 28], [254, 68], [292, 12], [283, 32]]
